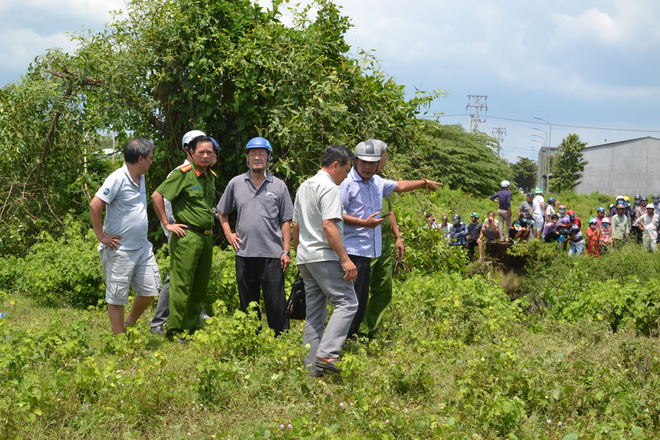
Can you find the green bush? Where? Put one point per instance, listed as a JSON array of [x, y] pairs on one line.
[[468, 310], [64, 271], [619, 288]]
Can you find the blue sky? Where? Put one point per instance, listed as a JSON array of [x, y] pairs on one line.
[[589, 67]]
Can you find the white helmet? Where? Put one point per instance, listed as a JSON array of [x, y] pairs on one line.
[[188, 137], [368, 151], [505, 184]]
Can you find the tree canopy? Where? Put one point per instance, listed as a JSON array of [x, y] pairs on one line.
[[167, 66], [524, 173], [568, 164], [460, 160]]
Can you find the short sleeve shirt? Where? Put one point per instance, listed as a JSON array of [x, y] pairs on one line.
[[317, 199], [488, 224], [525, 206], [538, 205], [474, 231], [361, 199], [126, 208], [550, 211], [192, 195], [261, 213]]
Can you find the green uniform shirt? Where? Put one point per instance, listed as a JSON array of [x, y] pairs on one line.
[[386, 226], [192, 195]]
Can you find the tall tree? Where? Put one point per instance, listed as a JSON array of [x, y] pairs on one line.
[[524, 173], [569, 164], [459, 159]]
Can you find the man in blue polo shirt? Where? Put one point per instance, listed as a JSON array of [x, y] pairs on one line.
[[362, 194], [263, 233]]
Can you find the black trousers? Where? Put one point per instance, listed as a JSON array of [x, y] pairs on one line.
[[361, 283], [256, 274]]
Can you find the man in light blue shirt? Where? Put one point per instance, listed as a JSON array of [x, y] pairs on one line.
[[126, 254], [362, 194]]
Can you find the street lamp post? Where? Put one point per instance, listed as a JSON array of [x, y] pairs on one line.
[[539, 174], [550, 125], [545, 155]]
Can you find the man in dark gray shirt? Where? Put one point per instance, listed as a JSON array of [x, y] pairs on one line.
[[263, 233]]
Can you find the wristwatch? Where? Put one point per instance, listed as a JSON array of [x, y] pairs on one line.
[[287, 253]]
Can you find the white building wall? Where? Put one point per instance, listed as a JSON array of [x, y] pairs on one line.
[[626, 167]]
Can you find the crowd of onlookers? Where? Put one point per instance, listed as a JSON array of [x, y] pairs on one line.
[[537, 218]]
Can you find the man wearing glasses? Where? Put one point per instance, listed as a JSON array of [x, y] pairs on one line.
[[262, 240]]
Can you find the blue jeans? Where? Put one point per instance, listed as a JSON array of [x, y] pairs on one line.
[[576, 248]]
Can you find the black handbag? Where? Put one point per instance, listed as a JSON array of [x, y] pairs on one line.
[[296, 307]]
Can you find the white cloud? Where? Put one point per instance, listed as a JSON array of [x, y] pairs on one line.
[[18, 56], [590, 24]]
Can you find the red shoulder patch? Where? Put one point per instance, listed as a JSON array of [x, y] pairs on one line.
[[198, 173], [186, 168]]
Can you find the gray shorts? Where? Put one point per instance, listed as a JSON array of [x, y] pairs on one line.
[[123, 268]]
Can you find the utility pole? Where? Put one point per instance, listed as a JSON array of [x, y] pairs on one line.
[[499, 133], [477, 102]]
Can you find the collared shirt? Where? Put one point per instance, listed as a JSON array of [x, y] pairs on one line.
[[261, 213], [126, 208], [651, 224], [503, 197], [620, 226], [606, 234], [361, 199], [317, 199], [192, 195]]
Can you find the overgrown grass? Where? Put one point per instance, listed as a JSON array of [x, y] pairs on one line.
[[576, 356], [455, 359]]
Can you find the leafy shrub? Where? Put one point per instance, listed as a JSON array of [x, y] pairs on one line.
[[63, 271], [619, 288], [465, 309], [427, 251]]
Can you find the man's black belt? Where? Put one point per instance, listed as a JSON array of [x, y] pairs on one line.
[[199, 230]]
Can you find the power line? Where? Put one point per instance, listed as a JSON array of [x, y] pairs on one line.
[[562, 125], [579, 126]]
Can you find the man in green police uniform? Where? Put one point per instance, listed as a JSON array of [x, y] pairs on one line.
[[381, 267], [191, 189]]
